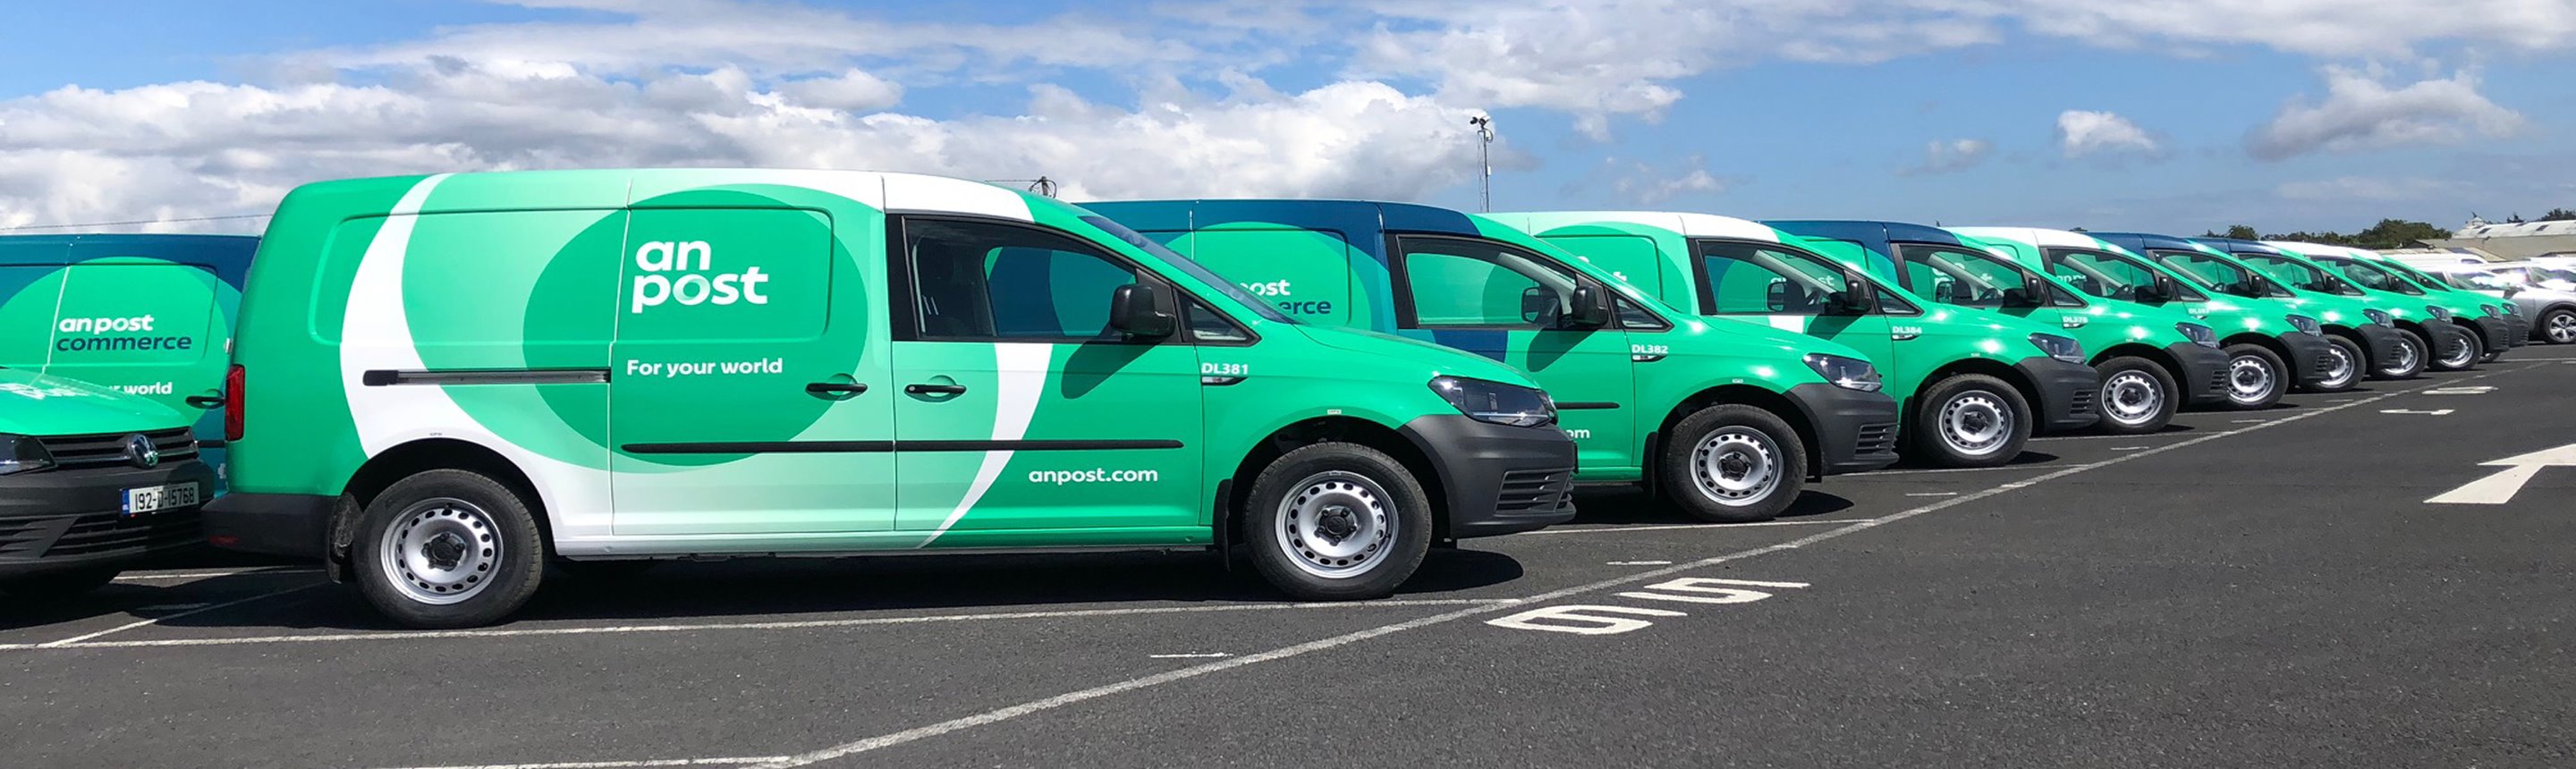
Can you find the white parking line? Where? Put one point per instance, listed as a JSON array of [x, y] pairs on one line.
[[76, 642], [1210, 655], [1933, 494], [68, 642], [1616, 529], [622, 764], [1927, 471], [2149, 436], [153, 576], [1074, 697]]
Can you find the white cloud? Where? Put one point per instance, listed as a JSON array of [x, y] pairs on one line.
[[2372, 189], [852, 91], [1943, 157], [2362, 112], [2316, 27], [2086, 132], [1649, 184]]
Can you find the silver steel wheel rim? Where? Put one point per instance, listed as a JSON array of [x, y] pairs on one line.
[[2409, 356], [2131, 398], [2250, 380], [2341, 370], [1736, 467], [2462, 354], [1975, 424], [1336, 525], [442, 551], [2562, 328]]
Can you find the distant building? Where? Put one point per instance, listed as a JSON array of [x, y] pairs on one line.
[[2512, 241]]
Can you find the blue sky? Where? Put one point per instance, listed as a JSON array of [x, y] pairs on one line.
[[2177, 116]]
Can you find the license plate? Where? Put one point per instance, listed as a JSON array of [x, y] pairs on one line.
[[156, 498]]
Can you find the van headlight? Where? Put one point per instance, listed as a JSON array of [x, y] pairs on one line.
[[2306, 325], [2198, 334], [2379, 317], [2437, 311], [2063, 348], [22, 454], [1845, 372], [2497, 309], [1495, 402]]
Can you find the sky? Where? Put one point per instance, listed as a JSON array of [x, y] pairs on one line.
[[2159, 115]]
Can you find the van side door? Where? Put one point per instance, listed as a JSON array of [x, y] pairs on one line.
[[1022, 417], [1509, 304], [745, 396]]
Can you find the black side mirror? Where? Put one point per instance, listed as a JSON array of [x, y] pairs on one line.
[[1855, 300], [1142, 311], [2159, 292], [1591, 307], [1538, 303], [1776, 296]]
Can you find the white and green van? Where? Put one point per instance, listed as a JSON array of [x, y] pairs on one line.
[[91, 480], [444, 383]]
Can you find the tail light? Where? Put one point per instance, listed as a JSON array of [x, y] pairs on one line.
[[233, 403]]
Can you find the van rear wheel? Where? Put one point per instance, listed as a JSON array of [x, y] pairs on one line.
[[1971, 420], [2137, 396], [1337, 522], [448, 549], [2256, 376], [1733, 463]]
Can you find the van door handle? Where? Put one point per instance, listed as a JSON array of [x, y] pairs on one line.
[[206, 401], [935, 389], [832, 389]]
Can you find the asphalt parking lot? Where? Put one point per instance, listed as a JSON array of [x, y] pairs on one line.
[[2265, 588]]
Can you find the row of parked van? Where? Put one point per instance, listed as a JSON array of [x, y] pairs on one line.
[[448, 387]]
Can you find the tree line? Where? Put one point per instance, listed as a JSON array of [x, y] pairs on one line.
[[2387, 234]]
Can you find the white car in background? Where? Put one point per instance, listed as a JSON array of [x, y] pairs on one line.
[[2539, 291]]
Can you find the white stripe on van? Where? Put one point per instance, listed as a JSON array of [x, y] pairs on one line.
[[1795, 324], [1022, 371]]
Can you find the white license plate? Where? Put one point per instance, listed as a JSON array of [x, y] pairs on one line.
[[155, 498]]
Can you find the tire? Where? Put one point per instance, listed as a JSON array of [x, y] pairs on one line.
[[2557, 326], [2411, 357], [1960, 401], [448, 549], [1733, 463], [2345, 369], [2138, 396], [2461, 353], [1293, 515], [2256, 377], [60, 585]]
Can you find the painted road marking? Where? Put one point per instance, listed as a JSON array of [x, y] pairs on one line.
[[745, 761], [998, 715], [1637, 563], [1933, 494], [2476, 390], [2130, 448], [1672, 526], [68, 642], [1209, 655], [208, 574], [2432, 413], [2499, 488], [77, 641]]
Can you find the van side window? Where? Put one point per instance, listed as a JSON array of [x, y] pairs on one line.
[[1635, 318], [1750, 279], [1210, 327], [1455, 282], [989, 281]]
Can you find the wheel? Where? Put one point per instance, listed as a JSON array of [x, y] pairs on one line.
[[1733, 463], [448, 549], [2460, 351], [2137, 396], [2410, 358], [2558, 326], [2344, 363], [2491, 357], [2255, 376], [1971, 420], [1337, 521], [55, 586]]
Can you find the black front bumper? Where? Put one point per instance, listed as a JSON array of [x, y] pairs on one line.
[[2204, 373], [1855, 430], [297, 525], [1498, 479], [2070, 394], [2499, 332], [2380, 343], [65, 520], [2310, 355], [2521, 328]]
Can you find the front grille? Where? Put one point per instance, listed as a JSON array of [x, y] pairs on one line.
[[1534, 491], [64, 536], [74, 452], [2086, 402], [1875, 439]]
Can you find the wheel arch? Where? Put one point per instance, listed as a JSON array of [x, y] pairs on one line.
[[403, 461], [2162, 358], [1993, 368], [1801, 422], [1415, 458]]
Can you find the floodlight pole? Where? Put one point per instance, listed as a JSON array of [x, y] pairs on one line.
[[1485, 156]]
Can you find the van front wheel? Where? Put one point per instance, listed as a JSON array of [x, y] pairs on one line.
[[1337, 521], [2412, 353], [2255, 376], [2344, 363], [448, 549], [1733, 463], [2137, 396], [1971, 420]]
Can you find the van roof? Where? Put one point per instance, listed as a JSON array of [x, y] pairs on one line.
[[1192, 213], [66, 248], [1683, 223], [617, 187], [1895, 231]]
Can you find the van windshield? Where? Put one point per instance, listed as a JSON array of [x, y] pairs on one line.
[[1183, 263], [2219, 275], [2299, 275], [2371, 276]]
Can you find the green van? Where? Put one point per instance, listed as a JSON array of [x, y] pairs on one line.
[[2421, 328], [91, 479], [2266, 347], [2488, 327], [441, 383], [1726, 420], [2360, 341], [1973, 385]]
